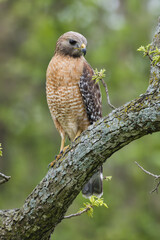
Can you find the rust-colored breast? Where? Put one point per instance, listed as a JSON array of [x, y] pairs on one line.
[[63, 94]]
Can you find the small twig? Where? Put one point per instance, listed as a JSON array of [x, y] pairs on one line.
[[5, 178], [156, 187], [94, 202], [149, 173], [79, 213], [150, 58], [106, 89], [98, 76], [157, 177]]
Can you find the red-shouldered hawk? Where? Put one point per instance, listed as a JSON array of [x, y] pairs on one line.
[[74, 99]]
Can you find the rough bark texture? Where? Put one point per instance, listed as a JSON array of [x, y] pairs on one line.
[[46, 206]]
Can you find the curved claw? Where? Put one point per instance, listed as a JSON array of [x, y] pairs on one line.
[[57, 157], [52, 163]]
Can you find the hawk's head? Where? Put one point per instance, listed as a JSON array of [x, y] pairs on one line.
[[72, 44]]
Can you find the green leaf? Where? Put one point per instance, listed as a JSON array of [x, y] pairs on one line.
[[94, 202], [81, 209], [90, 212], [141, 49], [98, 75], [154, 55], [108, 178], [92, 199], [148, 46], [156, 59], [105, 205]]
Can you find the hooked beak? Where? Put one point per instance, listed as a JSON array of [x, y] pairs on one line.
[[83, 49]]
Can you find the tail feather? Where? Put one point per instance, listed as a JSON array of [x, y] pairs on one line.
[[94, 186]]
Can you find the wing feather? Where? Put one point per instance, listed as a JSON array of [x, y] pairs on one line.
[[91, 94]]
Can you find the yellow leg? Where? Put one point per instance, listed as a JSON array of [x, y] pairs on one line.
[[78, 134], [62, 143], [62, 148]]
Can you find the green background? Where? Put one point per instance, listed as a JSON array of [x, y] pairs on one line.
[[114, 29]]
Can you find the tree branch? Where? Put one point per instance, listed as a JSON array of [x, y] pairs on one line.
[[157, 177], [106, 89], [156, 187], [78, 213], [46, 206], [149, 173], [4, 178]]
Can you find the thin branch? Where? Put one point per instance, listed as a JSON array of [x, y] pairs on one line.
[[106, 89], [157, 177], [150, 58], [94, 202], [156, 187], [78, 213], [149, 173], [4, 178], [98, 76]]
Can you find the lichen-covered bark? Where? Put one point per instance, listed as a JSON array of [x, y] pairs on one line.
[[45, 207]]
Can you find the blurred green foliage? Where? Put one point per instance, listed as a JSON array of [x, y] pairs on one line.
[[114, 29]]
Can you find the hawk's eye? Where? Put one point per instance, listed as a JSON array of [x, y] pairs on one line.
[[72, 42]]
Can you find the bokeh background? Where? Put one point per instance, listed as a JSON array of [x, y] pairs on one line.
[[114, 29]]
